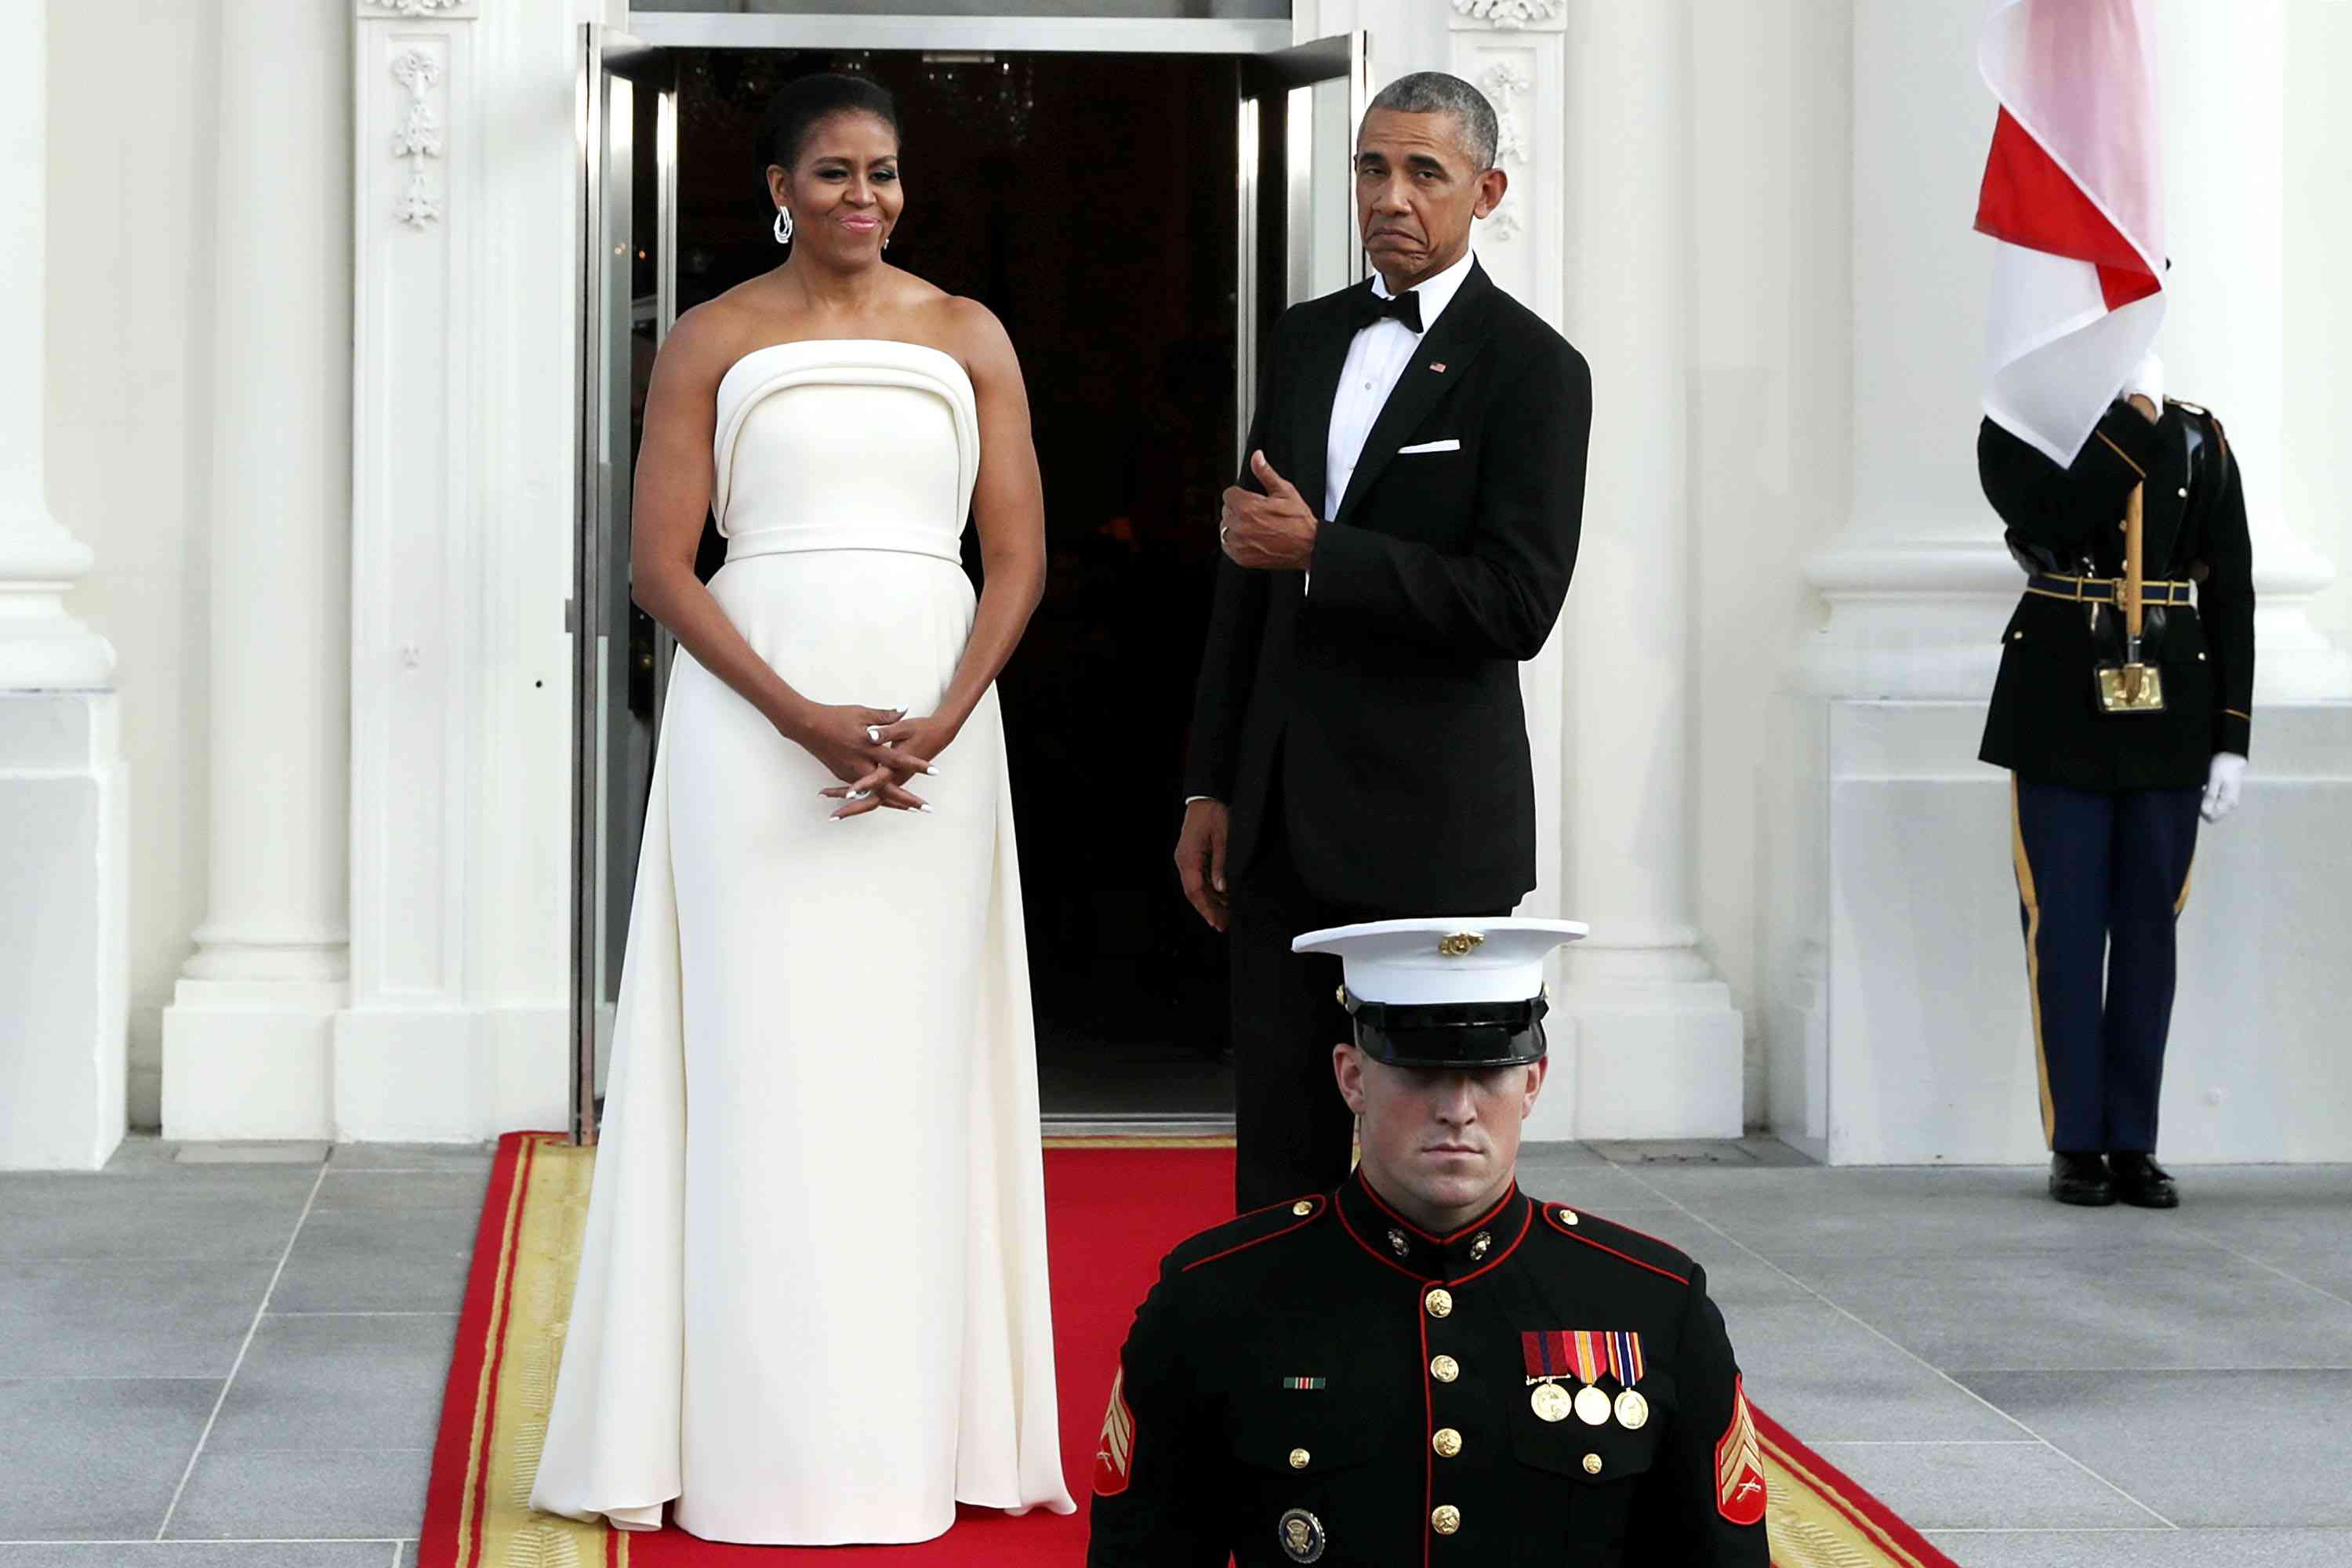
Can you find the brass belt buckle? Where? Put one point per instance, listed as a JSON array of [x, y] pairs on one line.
[[2129, 687]]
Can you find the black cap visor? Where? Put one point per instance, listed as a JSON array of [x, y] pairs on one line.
[[1450, 1034]]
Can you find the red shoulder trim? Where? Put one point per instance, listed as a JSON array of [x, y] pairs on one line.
[[1552, 1218], [1317, 1204]]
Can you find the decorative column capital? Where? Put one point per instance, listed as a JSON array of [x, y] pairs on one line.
[[1510, 16], [391, 10]]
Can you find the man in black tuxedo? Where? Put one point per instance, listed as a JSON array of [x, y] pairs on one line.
[[1401, 540]]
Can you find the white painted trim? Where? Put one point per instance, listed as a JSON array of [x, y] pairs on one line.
[[1028, 34]]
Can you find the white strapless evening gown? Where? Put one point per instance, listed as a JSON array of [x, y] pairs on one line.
[[812, 1300]]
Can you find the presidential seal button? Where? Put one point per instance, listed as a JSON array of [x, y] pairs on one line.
[[1398, 1244], [1440, 1303], [1447, 1442], [1446, 1519], [1552, 1402], [1592, 1406], [1445, 1368], [1299, 1459], [1632, 1410], [1591, 1464], [1301, 1534], [1303, 1207]]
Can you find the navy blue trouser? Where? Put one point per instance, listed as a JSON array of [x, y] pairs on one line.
[[2101, 878]]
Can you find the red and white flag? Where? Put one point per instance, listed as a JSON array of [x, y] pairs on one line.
[[2074, 191]]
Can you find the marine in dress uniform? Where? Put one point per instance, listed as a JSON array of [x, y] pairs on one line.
[[2105, 805], [1324, 1381]]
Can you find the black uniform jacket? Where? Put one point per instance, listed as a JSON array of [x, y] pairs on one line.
[[2045, 723], [1384, 682], [1291, 1392]]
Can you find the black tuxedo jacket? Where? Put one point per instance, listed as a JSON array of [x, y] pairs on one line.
[[1383, 684]]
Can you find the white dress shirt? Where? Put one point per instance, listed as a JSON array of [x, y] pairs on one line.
[[1376, 361]]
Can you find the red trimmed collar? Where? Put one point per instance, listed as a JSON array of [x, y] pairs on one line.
[[1387, 1235]]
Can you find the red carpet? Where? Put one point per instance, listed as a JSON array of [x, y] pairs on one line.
[[1112, 1209]]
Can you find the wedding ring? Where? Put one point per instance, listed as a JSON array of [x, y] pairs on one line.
[[874, 734]]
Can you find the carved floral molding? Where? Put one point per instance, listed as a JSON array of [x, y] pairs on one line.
[[1511, 15], [1504, 83], [417, 137]]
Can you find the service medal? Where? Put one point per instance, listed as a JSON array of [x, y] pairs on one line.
[[1552, 1402], [1632, 1410], [1591, 1406]]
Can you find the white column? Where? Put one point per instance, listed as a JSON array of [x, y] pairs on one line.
[[246, 1041], [2222, 91], [1657, 1043], [63, 875], [1918, 566]]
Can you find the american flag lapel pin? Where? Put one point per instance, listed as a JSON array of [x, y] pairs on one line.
[[1438, 366]]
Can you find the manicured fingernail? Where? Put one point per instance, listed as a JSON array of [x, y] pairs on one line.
[[933, 772], [923, 808]]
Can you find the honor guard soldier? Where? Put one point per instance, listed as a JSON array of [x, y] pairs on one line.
[[2120, 725], [1429, 1366]]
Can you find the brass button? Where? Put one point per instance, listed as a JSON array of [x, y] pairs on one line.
[[2200, 658], [1445, 1369], [1302, 1207], [1591, 1464], [1568, 1216], [1440, 1303], [1298, 1457], [2017, 636], [1446, 1519], [2184, 492], [1448, 1442]]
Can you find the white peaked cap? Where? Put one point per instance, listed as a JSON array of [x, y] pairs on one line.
[[1443, 959]]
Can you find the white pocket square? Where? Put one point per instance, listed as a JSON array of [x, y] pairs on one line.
[[1448, 446]]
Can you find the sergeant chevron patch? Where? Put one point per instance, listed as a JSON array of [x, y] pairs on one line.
[[1739, 1465], [1114, 1455]]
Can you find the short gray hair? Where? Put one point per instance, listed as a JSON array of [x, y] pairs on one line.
[[1434, 92]]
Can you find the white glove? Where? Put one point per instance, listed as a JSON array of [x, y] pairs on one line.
[[2146, 380], [2223, 785]]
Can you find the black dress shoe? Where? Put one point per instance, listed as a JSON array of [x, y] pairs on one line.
[[2140, 1182], [2080, 1178]]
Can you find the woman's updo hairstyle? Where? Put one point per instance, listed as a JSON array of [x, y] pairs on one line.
[[800, 106]]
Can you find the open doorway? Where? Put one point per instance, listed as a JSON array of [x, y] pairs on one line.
[[1090, 203], [1137, 220]]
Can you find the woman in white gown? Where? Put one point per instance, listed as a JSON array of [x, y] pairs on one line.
[[812, 1300]]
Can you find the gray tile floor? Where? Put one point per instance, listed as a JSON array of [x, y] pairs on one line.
[[238, 1362]]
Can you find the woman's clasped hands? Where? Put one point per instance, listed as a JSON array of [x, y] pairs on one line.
[[874, 752]]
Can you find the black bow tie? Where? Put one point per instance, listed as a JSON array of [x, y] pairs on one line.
[[1369, 309]]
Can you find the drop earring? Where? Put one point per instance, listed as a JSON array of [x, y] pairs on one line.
[[783, 225]]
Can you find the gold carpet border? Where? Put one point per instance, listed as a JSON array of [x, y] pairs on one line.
[[547, 1216], [1808, 1530]]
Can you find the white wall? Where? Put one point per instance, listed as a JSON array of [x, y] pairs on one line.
[[2312, 488], [1771, 412], [132, 239]]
